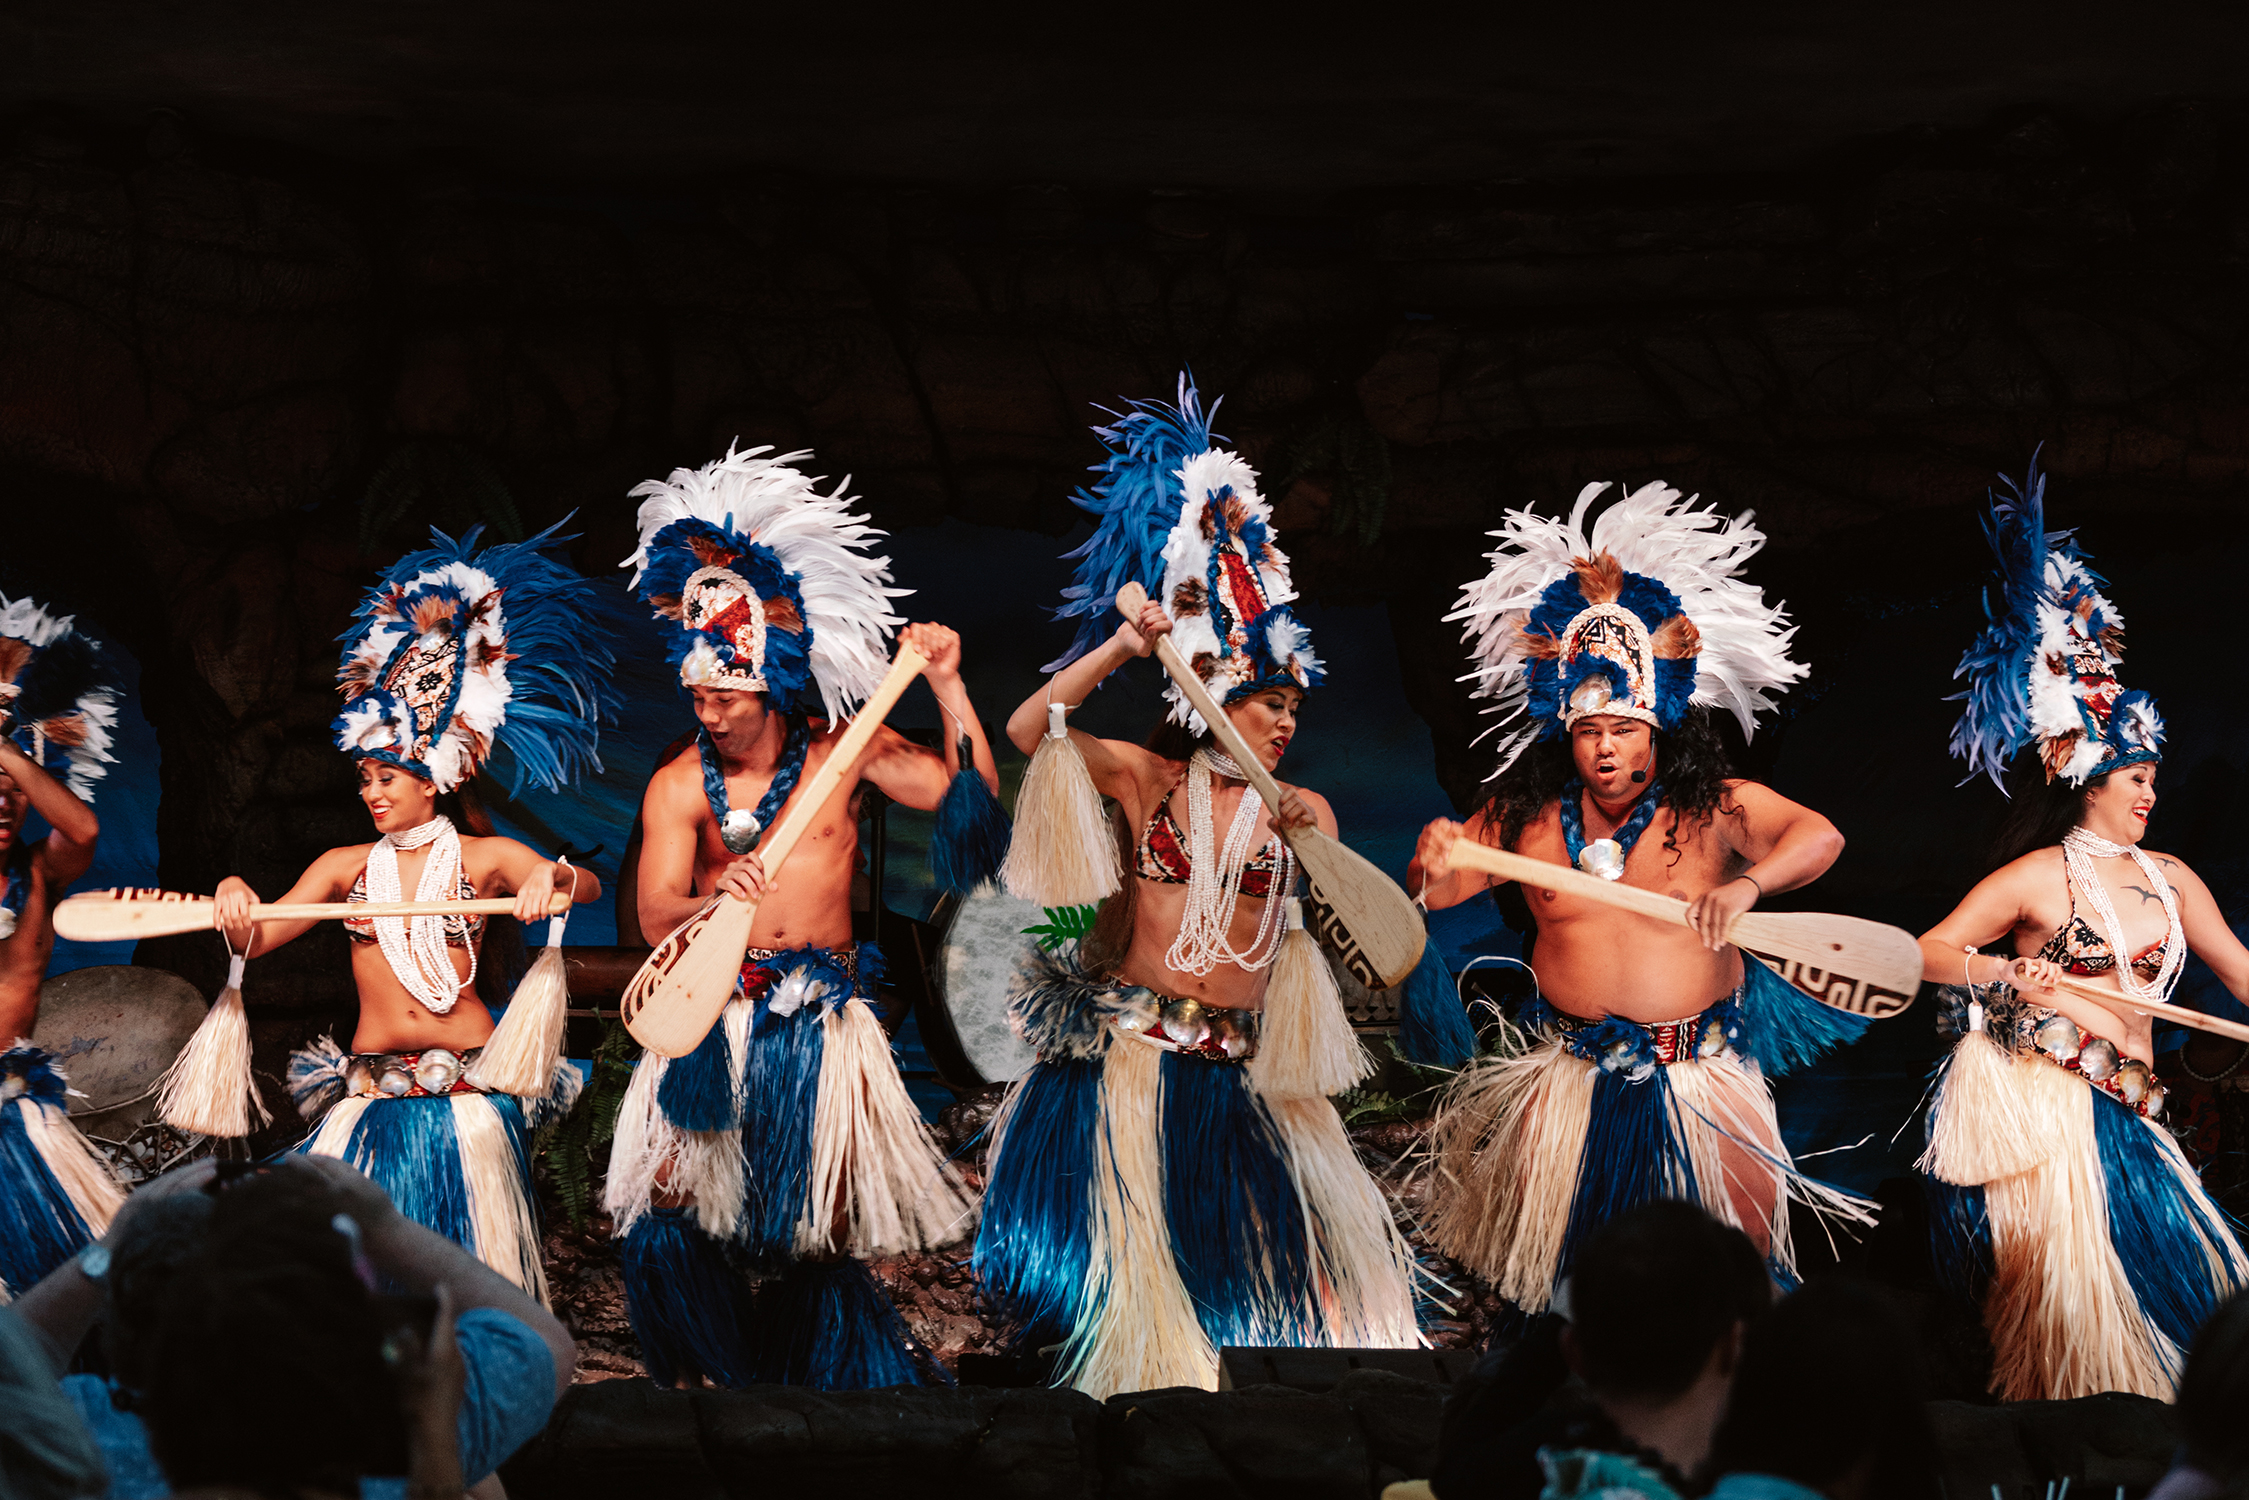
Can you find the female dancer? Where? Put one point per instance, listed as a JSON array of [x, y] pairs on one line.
[[1170, 1177], [457, 652], [2055, 1181]]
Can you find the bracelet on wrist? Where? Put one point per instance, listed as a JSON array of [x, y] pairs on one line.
[[1753, 880]]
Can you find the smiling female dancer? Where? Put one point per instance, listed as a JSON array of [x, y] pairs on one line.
[[2057, 1186], [457, 653], [1170, 1178]]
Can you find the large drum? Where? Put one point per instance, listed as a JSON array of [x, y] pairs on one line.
[[114, 1029], [974, 962]]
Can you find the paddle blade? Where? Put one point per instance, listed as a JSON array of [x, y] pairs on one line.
[[675, 999], [124, 916], [1868, 968], [1358, 912]]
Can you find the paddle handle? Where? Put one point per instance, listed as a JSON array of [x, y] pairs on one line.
[[2162, 1010], [1468, 854], [110, 916], [1129, 600]]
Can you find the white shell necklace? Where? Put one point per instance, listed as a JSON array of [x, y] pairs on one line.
[[2080, 847], [1214, 879], [415, 946]]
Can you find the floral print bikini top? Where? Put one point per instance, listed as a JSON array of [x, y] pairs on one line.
[[460, 932], [1162, 855], [2081, 950]]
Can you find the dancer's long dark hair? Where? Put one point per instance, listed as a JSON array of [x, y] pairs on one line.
[[1690, 761], [2039, 812]]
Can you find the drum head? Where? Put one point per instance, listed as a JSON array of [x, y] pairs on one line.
[[982, 946], [114, 1030]]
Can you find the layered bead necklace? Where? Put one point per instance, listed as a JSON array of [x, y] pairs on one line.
[[1214, 878], [2080, 847], [415, 946]]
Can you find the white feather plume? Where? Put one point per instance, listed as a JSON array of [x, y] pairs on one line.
[[1654, 530], [817, 537], [1186, 558]]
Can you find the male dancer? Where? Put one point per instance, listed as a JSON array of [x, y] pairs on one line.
[[56, 713], [787, 1139], [1649, 1079]]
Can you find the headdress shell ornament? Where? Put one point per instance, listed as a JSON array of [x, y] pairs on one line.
[[2043, 670], [769, 582], [58, 701], [460, 653], [1174, 505], [1640, 616]]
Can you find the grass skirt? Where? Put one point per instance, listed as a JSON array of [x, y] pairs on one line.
[[457, 1163], [792, 1136], [1536, 1150], [2081, 1227], [1146, 1208], [56, 1193]]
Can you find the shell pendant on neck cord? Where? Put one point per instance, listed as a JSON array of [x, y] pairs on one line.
[[415, 946], [1214, 881], [2080, 847]]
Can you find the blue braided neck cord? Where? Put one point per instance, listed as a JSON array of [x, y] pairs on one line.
[[784, 775], [1628, 833], [19, 878]]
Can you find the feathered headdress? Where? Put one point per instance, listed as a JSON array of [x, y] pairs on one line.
[[768, 581], [57, 698], [2043, 670], [1640, 618], [459, 652], [1171, 503]]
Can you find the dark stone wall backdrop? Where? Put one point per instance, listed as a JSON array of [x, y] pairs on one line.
[[222, 362]]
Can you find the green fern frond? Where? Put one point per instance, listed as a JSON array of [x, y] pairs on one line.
[[1063, 924]]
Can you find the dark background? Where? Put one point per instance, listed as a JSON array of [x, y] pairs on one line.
[[281, 286]]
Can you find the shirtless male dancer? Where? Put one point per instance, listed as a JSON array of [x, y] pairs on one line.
[[786, 1144], [1654, 1041], [56, 712]]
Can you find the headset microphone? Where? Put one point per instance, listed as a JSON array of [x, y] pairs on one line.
[[1638, 777]]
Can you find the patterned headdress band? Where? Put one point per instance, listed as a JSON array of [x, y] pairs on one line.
[[2043, 670], [459, 653]]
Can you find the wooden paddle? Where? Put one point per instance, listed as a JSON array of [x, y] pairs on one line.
[[1867, 968], [1355, 909], [127, 915], [2162, 1010], [674, 1000]]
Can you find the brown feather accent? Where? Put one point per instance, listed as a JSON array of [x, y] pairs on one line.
[[1203, 662], [15, 655], [2112, 639], [2056, 665], [1192, 597], [1676, 639], [431, 611], [709, 553], [2057, 751], [780, 614], [492, 651], [66, 730], [667, 605], [1207, 523], [1537, 644], [1599, 579]]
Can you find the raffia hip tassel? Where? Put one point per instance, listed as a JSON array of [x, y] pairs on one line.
[[1981, 1125], [208, 1089], [1062, 854], [1307, 1049], [524, 1048]]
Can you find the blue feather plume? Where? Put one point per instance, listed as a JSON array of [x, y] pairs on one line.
[[1782, 1028], [1135, 504], [702, 1091], [2160, 1231], [1433, 1028], [972, 835]]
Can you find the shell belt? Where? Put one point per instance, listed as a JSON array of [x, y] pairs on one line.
[[427, 1074]]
